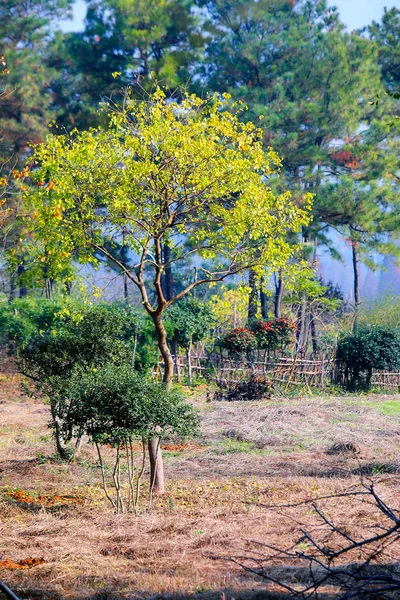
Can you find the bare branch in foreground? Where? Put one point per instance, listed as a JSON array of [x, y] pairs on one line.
[[312, 568]]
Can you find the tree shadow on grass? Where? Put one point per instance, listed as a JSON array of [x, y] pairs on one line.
[[109, 593], [296, 576], [293, 576], [305, 464]]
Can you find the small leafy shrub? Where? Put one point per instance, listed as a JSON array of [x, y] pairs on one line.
[[370, 348], [239, 341], [95, 336], [116, 406], [23, 318], [271, 335], [257, 387], [262, 335], [188, 322], [115, 402]]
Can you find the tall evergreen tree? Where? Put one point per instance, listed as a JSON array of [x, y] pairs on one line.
[[361, 196], [308, 81], [142, 41], [25, 32], [387, 36]]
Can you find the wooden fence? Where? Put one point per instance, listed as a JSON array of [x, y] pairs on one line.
[[286, 371], [384, 379], [281, 370]]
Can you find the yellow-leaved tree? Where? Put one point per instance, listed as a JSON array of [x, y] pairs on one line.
[[189, 176]]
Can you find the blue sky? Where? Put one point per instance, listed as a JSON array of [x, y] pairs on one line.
[[354, 13], [358, 13]]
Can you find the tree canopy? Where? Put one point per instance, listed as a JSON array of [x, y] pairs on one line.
[[160, 171]]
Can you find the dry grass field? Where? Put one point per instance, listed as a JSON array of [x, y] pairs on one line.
[[60, 539]]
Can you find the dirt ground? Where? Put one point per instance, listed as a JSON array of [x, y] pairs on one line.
[[60, 538]]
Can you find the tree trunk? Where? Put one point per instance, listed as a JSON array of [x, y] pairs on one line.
[[264, 301], [11, 294], [164, 350], [189, 362], [157, 484], [168, 278], [125, 279], [22, 289], [125, 262], [48, 287], [156, 461], [314, 332], [61, 443], [357, 299], [301, 326], [278, 298], [252, 308]]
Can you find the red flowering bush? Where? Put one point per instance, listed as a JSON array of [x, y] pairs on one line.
[[239, 341], [271, 335], [263, 335]]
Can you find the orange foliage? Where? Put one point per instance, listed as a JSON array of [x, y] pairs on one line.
[[345, 158], [25, 563], [25, 498], [179, 447]]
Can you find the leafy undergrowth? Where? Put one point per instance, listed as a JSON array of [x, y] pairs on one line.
[[249, 456]]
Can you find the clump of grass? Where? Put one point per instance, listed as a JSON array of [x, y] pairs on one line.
[[391, 408], [231, 445]]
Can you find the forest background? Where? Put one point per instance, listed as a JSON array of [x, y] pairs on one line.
[[318, 91]]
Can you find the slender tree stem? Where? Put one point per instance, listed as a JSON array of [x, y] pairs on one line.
[[154, 477], [357, 300], [103, 476], [140, 474]]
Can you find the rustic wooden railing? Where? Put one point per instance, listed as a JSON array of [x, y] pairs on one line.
[[280, 370]]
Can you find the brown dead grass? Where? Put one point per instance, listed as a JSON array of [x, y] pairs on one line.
[[55, 511]]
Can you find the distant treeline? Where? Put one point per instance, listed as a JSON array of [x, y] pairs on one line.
[[325, 98]]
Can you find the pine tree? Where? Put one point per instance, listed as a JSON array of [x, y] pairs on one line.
[[387, 36], [141, 41], [361, 197], [309, 84], [25, 31]]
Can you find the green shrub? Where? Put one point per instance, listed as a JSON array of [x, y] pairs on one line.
[[188, 322], [117, 406], [25, 317], [370, 348], [95, 336]]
